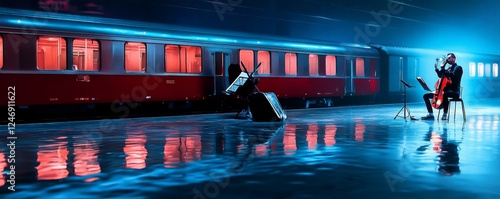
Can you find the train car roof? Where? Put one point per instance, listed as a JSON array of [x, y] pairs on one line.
[[406, 51], [98, 27]]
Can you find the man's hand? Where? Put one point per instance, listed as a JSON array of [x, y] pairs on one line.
[[444, 63]]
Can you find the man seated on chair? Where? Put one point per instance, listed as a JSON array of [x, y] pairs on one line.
[[454, 72]]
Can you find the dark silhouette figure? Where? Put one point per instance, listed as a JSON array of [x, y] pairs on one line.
[[251, 139], [245, 90], [233, 71], [448, 157]]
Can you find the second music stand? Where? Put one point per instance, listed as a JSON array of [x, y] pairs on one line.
[[405, 108]]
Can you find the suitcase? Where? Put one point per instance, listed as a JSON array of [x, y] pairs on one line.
[[265, 107]]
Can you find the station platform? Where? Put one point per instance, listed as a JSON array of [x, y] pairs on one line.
[[339, 152]]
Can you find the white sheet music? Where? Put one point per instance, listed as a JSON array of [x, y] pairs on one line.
[[424, 85], [239, 81]]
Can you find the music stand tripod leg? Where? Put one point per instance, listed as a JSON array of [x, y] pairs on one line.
[[406, 109], [409, 114], [399, 112]]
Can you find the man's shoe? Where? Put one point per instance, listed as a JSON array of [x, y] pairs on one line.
[[444, 117], [428, 117]]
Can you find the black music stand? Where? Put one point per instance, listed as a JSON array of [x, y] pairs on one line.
[[405, 108], [244, 85], [423, 84]]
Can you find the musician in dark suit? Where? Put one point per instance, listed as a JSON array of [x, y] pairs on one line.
[[454, 73]]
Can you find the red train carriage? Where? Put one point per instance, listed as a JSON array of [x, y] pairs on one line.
[[59, 60], [64, 64]]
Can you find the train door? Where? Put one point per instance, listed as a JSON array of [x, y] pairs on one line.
[[411, 70], [349, 75], [401, 69], [221, 59], [396, 73]]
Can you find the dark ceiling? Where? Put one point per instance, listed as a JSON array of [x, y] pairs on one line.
[[452, 25]]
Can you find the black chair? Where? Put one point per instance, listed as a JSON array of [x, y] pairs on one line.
[[455, 100]]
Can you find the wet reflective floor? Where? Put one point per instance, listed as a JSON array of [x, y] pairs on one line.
[[341, 152]]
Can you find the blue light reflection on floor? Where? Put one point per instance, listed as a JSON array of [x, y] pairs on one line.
[[317, 153]]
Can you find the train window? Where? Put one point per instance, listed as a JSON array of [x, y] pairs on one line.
[[86, 55], [290, 63], [264, 58], [313, 64], [331, 65], [480, 69], [487, 70], [51, 53], [495, 70], [1, 52], [135, 57], [246, 56], [472, 69], [182, 59], [360, 67]]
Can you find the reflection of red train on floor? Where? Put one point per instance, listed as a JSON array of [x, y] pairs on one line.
[[61, 154], [58, 60]]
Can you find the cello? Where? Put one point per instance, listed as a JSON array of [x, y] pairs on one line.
[[441, 84]]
